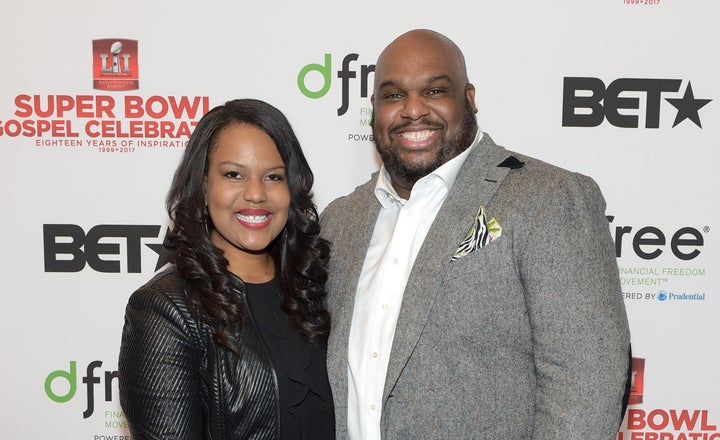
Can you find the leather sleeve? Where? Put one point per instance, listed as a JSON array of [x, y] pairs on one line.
[[159, 380]]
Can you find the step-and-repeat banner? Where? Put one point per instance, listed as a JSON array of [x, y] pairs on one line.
[[97, 101]]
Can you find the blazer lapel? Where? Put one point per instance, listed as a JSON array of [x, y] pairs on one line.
[[475, 185]]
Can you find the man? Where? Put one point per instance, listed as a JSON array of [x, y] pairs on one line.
[[474, 291]]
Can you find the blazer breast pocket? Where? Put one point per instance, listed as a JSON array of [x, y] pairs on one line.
[[491, 257]]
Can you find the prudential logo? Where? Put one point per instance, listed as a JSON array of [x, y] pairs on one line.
[[664, 296], [315, 80]]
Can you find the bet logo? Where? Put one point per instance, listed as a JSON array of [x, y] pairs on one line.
[[68, 248], [587, 102]]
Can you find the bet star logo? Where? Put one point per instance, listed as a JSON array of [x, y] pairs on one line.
[[587, 102], [687, 106], [163, 254]]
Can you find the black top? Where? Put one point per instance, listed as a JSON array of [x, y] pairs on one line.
[[306, 407]]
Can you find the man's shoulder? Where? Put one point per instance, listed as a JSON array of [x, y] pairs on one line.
[[529, 178], [530, 170], [342, 204], [502, 156], [541, 169]]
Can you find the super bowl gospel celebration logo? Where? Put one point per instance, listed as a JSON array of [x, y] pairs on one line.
[[115, 64], [103, 121], [119, 123]]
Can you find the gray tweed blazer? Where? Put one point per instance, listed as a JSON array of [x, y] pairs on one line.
[[525, 337]]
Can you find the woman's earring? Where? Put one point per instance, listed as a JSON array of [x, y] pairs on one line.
[[206, 218]]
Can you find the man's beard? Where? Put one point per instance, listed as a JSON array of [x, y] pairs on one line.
[[448, 149]]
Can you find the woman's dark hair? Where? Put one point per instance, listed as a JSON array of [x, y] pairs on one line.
[[300, 255]]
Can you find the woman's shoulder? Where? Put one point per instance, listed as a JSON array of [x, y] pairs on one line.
[[163, 300], [164, 290]]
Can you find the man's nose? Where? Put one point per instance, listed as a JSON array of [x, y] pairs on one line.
[[415, 107]]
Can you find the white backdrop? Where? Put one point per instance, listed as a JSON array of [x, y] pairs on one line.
[[69, 210]]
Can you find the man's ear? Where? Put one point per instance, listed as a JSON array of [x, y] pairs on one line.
[[470, 96]]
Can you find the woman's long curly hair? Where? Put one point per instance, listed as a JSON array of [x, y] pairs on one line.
[[300, 255]]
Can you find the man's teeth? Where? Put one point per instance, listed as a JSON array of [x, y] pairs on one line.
[[417, 135], [252, 218]]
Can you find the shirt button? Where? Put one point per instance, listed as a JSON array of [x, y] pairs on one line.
[[375, 355], [385, 306], [372, 407], [396, 261]]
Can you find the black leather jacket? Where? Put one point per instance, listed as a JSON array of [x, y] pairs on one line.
[[176, 384]]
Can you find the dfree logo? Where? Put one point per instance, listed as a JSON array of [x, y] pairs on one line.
[[115, 64], [67, 248], [648, 242], [345, 74], [69, 377], [587, 102]]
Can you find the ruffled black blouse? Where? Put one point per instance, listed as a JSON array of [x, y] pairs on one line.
[[306, 406]]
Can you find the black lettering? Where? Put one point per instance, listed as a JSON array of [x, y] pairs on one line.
[[680, 243], [89, 249], [133, 234], [109, 377], [72, 248], [608, 103], [345, 74], [364, 72], [642, 239], [571, 102], [619, 232], [613, 103], [678, 240], [91, 380]]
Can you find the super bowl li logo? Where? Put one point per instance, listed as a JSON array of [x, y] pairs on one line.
[[115, 64]]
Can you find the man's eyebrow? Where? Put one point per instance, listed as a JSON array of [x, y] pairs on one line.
[[391, 83], [439, 77], [388, 83]]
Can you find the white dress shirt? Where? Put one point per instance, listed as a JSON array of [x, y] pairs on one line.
[[399, 233]]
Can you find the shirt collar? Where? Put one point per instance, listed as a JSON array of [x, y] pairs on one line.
[[446, 173]]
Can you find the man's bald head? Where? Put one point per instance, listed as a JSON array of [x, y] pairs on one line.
[[423, 106], [423, 40]]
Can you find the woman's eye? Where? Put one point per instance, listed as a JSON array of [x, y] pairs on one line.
[[232, 174], [276, 177]]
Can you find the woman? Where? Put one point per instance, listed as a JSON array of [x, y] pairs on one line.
[[229, 342]]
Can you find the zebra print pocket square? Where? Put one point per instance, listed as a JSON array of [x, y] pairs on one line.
[[482, 232]]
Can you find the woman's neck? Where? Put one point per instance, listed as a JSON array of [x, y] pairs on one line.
[[253, 268]]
